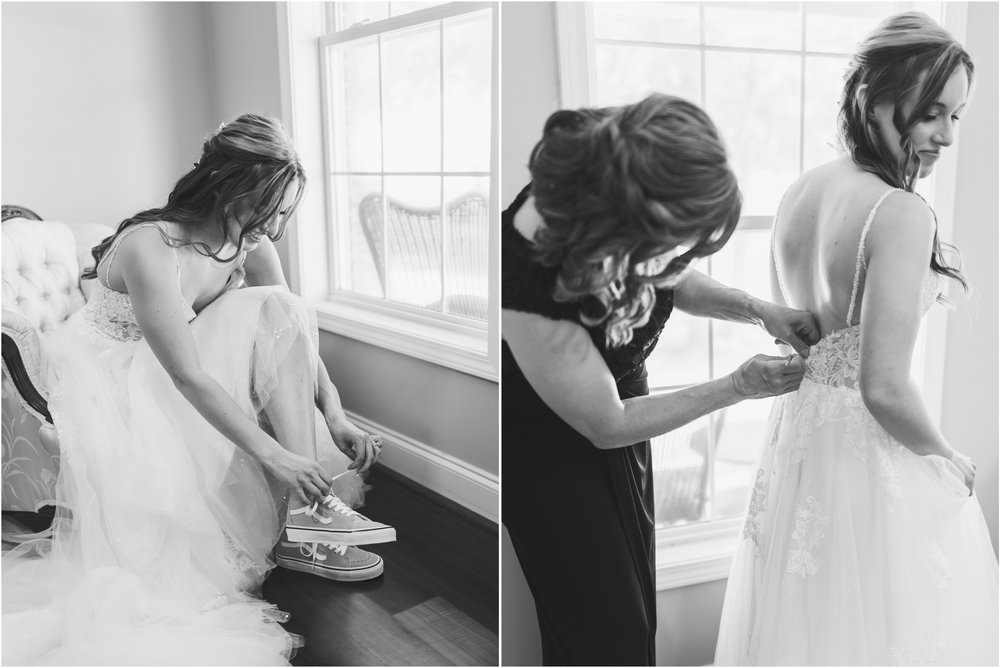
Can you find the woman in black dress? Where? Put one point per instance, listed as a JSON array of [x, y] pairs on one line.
[[595, 252]]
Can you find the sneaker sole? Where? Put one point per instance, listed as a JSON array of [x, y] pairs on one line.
[[362, 537], [338, 574]]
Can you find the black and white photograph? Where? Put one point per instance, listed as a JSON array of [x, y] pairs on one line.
[[512, 332], [250, 333], [686, 185]]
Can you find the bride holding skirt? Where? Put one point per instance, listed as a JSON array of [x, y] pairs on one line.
[[863, 542]]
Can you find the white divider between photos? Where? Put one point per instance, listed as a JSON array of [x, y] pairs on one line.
[[465, 484]]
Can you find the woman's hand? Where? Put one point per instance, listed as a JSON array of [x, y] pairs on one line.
[[362, 447], [301, 474], [795, 328], [967, 467], [767, 376]]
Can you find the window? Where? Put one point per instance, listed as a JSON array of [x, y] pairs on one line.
[[769, 75], [406, 113]]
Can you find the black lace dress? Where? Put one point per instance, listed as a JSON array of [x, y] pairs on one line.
[[580, 518]]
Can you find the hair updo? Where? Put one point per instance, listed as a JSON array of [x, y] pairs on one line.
[[618, 188], [905, 53], [252, 156]]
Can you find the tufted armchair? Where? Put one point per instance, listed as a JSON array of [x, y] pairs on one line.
[[41, 269]]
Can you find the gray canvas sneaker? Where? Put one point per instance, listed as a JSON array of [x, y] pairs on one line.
[[335, 523], [333, 562]]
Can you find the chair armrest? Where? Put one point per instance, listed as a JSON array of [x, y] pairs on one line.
[[22, 361]]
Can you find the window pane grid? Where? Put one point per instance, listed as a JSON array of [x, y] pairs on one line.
[[680, 46], [414, 238]]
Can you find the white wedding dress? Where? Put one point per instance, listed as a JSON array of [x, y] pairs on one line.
[[855, 550], [164, 527]]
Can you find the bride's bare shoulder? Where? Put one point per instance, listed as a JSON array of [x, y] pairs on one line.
[[902, 213], [147, 244]]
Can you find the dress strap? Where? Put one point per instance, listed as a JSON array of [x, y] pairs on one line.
[[860, 261], [109, 256], [774, 254]]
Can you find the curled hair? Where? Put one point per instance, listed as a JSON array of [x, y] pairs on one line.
[[250, 157], [906, 53], [620, 187]]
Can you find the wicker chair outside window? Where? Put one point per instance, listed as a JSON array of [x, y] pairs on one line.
[[680, 466], [408, 240]]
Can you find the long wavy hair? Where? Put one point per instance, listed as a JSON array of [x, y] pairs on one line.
[[619, 188], [906, 53], [250, 157]]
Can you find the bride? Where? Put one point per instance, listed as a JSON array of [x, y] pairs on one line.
[[185, 416], [863, 542]]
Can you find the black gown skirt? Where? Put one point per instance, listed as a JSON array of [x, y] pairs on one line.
[[581, 522], [580, 518]]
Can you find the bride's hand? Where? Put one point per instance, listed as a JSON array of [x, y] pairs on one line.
[[767, 376], [363, 448], [967, 467], [300, 474], [791, 326]]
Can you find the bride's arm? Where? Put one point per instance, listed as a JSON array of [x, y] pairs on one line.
[[564, 367], [149, 269], [699, 295], [898, 249]]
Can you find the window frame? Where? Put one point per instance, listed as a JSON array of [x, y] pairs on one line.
[[463, 344], [703, 551]]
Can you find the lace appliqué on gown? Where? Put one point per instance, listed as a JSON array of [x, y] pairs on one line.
[[239, 559], [829, 395], [809, 523], [758, 503]]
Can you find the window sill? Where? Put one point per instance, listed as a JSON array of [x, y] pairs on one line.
[[455, 343], [696, 553]]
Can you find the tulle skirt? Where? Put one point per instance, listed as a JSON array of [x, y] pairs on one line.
[[855, 551], [163, 527]]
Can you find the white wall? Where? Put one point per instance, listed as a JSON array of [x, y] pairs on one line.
[[530, 87], [244, 51], [104, 105], [969, 408], [689, 616]]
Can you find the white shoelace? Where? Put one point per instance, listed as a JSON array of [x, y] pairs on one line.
[[332, 502], [338, 506], [312, 550]]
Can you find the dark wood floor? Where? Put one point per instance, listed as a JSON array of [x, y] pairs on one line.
[[437, 603]]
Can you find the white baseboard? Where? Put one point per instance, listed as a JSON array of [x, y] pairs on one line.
[[463, 483]]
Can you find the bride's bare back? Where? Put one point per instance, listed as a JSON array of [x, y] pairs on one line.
[[817, 233]]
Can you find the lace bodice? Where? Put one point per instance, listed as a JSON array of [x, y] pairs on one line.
[[836, 359], [110, 313]]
